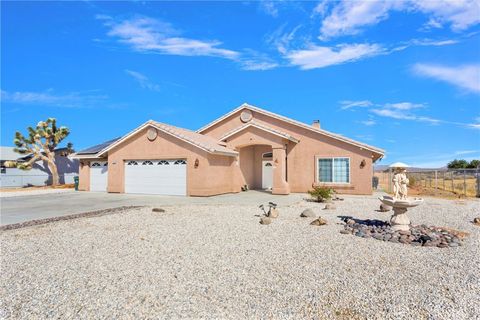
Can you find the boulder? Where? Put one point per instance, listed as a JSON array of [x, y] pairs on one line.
[[319, 222], [265, 220], [308, 213], [158, 210], [273, 213], [329, 206], [476, 221], [351, 222], [385, 208]]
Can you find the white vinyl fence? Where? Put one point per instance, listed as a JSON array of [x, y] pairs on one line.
[[14, 178]]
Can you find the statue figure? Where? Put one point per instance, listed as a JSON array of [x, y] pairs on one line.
[[400, 182]]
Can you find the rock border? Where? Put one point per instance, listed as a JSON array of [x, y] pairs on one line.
[[95, 213], [418, 235]]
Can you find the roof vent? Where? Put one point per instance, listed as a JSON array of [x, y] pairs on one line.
[[316, 124]]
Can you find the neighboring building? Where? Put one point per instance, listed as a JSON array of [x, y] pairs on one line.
[[40, 174], [248, 146]]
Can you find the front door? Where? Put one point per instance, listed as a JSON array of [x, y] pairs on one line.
[[267, 174]]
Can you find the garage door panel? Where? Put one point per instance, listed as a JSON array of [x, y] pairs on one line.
[[98, 176], [165, 177]]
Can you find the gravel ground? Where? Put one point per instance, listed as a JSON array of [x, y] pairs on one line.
[[205, 261], [20, 192]]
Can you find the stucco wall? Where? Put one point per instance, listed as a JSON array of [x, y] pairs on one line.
[[84, 176], [301, 166], [212, 176]]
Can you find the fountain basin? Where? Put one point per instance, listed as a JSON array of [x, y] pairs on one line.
[[400, 220], [396, 203]]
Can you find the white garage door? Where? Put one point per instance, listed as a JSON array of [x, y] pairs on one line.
[[166, 177], [98, 176]]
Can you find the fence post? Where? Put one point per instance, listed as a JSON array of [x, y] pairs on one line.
[[436, 182], [477, 173], [453, 186], [390, 187], [465, 182], [443, 180]]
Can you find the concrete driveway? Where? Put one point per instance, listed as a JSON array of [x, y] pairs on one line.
[[32, 207]]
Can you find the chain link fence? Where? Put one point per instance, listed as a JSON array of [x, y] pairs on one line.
[[452, 182]]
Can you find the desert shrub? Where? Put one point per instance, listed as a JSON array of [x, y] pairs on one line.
[[412, 181], [321, 194]]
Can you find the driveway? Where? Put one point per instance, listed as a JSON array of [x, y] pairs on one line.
[[32, 207]]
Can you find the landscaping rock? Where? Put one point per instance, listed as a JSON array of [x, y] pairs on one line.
[[329, 206], [265, 220], [273, 213], [476, 221], [319, 222], [350, 222], [158, 210], [385, 208], [427, 236], [308, 213]]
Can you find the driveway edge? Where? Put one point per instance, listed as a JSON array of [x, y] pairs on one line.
[[95, 213]]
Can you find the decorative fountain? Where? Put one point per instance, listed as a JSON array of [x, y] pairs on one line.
[[399, 202]]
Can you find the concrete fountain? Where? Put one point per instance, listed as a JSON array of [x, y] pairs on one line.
[[400, 202]]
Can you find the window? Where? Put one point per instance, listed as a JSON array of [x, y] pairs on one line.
[[333, 170], [147, 163], [180, 162], [267, 155], [132, 163], [95, 164], [163, 163]]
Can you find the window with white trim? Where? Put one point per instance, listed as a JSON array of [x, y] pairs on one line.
[[333, 170]]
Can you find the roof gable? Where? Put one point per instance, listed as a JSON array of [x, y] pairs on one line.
[[262, 127], [378, 151], [203, 142]]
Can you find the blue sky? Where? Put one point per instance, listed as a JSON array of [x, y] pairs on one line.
[[400, 75]]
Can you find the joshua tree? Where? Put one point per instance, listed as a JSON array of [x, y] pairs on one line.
[[41, 143]]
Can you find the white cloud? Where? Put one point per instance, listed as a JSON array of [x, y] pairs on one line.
[[269, 7], [253, 60], [466, 77], [347, 104], [369, 122], [404, 105], [143, 80], [321, 57], [146, 34], [49, 98], [399, 110], [402, 114], [475, 125], [350, 17]]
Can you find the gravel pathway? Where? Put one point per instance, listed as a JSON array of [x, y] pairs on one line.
[[205, 261]]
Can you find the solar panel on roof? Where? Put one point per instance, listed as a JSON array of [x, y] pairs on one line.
[[98, 147]]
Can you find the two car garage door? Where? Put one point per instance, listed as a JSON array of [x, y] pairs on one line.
[[164, 177]]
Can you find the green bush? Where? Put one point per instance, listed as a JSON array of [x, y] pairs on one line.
[[321, 194]]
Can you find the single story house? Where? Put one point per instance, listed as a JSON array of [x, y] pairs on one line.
[[248, 146], [39, 174]]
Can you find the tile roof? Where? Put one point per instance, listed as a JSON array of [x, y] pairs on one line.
[[376, 150], [206, 143]]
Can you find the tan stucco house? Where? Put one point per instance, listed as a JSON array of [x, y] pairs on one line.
[[247, 146]]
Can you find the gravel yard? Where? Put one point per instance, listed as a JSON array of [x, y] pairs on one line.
[[217, 261]]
